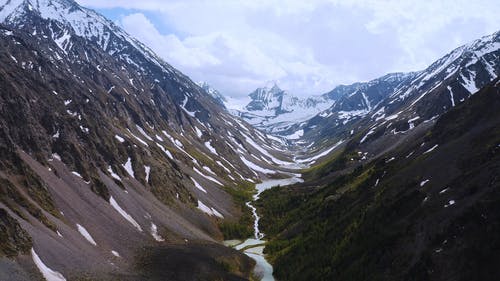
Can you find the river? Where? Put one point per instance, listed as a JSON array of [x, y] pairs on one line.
[[254, 247]]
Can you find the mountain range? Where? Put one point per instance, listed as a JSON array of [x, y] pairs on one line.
[[107, 149], [114, 165]]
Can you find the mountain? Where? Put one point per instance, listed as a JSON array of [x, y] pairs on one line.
[[107, 150], [221, 100], [426, 209], [351, 102], [400, 187], [400, 102], [274, 110]]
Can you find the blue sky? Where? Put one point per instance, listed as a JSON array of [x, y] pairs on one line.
[[308, 47]]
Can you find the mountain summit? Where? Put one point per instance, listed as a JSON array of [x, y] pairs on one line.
[[274, 110]]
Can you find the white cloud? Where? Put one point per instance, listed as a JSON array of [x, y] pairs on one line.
[[308, 46], [168, 46]]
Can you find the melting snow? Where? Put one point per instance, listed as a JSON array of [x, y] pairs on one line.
[[222, 165], [322, 154], [116, 254], [367, 135], [166, 151], [183, 106], [154, 233], [137, 138], [207, 177], [256, 167], [113, 175], [450, 203], [210, 211], [124, 214], [264, 152], [86, 234], [392, 117], [141, 130], [197, 185], [48, 274], [208, 144], [128, 167], [424, 182], [147, 170], [470, 84], [451, 96], [120, 139], [209, 170], [199, 133], [431, 149], [295, 136]]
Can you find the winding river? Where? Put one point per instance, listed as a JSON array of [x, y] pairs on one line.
[[254, 247]]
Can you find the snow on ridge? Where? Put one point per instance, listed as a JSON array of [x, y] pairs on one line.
[[48, 274], [124, 214]]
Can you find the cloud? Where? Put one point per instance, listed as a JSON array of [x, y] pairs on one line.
[[168, 46], [308, 46]]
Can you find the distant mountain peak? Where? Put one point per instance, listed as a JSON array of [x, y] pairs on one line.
[[214, 93]]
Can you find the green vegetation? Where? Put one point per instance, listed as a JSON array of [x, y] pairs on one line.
[[376, 222], [324, 235], [243, 228], [13, 239], [16, 201]]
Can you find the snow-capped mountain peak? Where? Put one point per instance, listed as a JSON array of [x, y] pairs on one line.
[[214, 93], [67, 21], [273, 109]]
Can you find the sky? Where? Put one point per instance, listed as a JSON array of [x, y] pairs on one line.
[[307, 47]]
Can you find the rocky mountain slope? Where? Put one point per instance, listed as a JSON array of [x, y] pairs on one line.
[[413, 98], [107, 149]]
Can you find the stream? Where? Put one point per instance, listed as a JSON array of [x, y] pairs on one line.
[[254, 247]]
